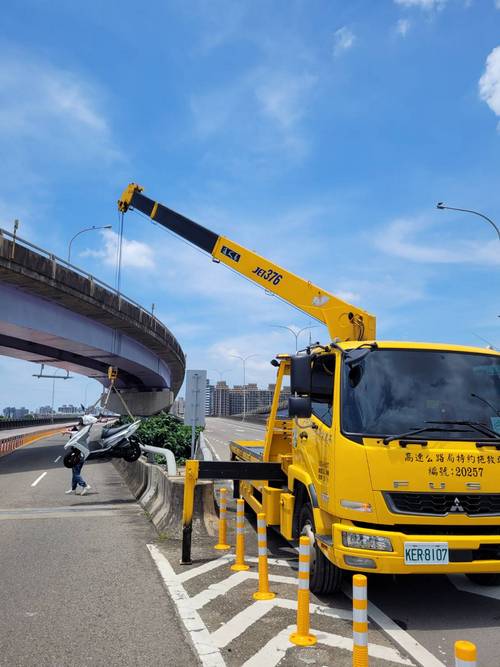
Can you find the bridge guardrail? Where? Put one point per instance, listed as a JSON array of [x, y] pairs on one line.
[[15, 248], [7, 424]]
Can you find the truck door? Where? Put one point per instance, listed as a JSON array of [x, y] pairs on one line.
[[323, 373]]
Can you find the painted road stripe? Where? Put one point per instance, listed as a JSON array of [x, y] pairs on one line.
[[224, 586], [38, 479], [56, 460], [461, 582], [209, 655], [224, 560], [274, 651], [206, 567], [239, 623], [400, 636], [211, 448]]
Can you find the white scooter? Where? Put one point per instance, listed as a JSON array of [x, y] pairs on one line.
[[112, 443]]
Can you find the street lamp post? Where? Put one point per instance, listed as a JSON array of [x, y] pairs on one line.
[[54, 378], [295, 333], [244, 360], [440, 205], [87, 229], [85, 392]]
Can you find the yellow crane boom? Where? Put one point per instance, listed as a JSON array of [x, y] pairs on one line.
[[343, 320]]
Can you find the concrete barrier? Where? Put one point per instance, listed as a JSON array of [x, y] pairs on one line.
[[148, 499], [135, 474], [162, 498]]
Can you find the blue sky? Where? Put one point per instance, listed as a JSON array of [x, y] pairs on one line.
[[319, 134]]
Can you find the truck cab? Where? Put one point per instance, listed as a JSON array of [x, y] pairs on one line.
[[391, 452]]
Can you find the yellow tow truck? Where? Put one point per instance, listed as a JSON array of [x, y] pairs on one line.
[[389, 457]]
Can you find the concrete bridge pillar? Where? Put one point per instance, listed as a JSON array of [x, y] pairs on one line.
[[141, 403]]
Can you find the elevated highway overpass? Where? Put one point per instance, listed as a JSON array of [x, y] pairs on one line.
[[53, 312]]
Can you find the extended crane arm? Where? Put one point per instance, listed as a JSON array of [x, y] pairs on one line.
[[343, 320]]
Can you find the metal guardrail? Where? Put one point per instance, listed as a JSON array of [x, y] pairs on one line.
[[6, 424], [154, 323], [22, 242]]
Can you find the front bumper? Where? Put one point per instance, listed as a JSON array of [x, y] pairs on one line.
[[461, 547]]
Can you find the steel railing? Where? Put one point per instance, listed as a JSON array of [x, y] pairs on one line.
[[157, 326]]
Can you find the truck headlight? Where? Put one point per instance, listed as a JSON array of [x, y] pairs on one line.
[[362, 541]]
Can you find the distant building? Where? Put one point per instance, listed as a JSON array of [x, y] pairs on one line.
[[68, 410], [15, 413], [177, 408], [44, 410], [209, 399], [221, 400]]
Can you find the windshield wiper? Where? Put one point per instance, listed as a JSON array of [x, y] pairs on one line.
[[477, 426], [409, 434], [480, 398]]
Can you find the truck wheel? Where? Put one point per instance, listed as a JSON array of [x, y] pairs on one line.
[[324, 577], [484, 579]]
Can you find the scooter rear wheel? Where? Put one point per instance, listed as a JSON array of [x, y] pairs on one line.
[[131, 453]]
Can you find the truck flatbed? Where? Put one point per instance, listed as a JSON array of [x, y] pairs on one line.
[[247, 450]]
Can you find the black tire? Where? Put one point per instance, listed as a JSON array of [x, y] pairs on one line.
[[325, 578], [484, 579], [72, 458], [131, 453]]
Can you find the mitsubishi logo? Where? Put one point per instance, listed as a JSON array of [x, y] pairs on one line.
[[457, 506]]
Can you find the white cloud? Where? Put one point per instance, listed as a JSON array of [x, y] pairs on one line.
[[343, 40], [489, 83], [401, 239], [497, 4], [282, 97], [422, 4], [135, 254], [261, 113], [402, 27], [53, 110]]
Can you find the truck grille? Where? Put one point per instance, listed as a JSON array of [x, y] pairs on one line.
[[442, 504]]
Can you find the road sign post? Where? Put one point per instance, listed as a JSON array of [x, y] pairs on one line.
[[196, 382]]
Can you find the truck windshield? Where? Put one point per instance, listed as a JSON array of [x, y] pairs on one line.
[[393, 391]]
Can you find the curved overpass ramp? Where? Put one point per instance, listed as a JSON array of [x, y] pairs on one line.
[[52, 312]]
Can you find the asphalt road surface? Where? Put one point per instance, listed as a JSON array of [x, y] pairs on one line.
[[434, 610], [77, 584]]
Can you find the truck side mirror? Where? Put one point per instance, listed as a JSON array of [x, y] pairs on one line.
[[300, 374], [299, 406]]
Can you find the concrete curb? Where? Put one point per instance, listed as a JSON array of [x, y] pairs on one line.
[[162, 498]]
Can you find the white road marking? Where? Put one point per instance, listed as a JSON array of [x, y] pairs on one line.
[[39, 478], [461, 582], [56, 460], [242, 621], [206, 567], [276, 648], [211, 447], [209, 655], [225, 560], [400, 636]]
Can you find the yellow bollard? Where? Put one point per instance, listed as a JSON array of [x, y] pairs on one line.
[[263, 593], [240, 564], [303, 637], [222, 544], [359, 621], [465, 654]]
